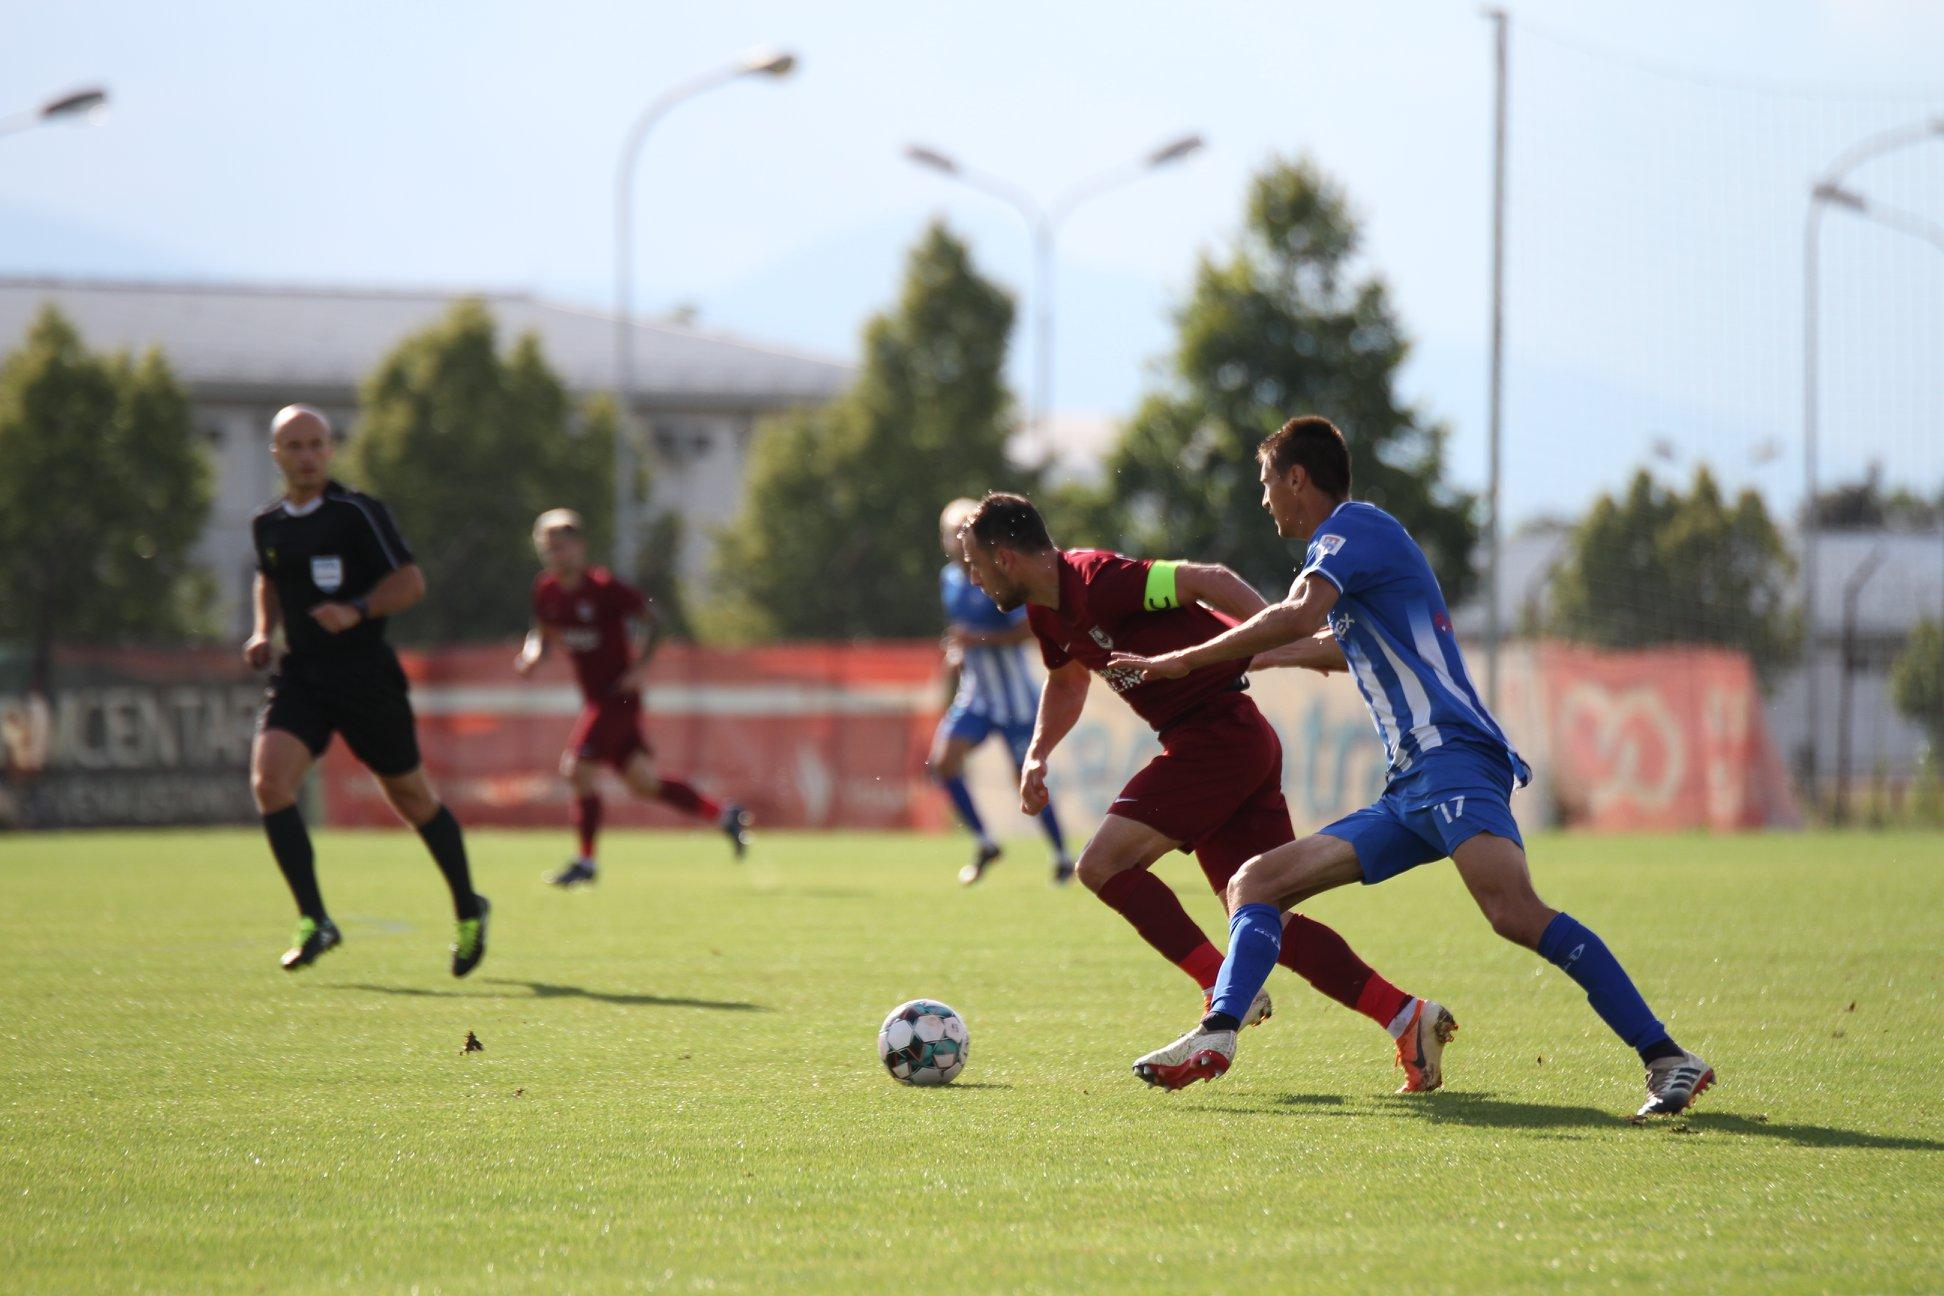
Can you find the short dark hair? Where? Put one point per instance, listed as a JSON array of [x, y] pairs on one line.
[[1008, 521], [1314, 443]]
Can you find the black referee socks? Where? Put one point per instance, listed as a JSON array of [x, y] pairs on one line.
[[290, 842], [442, 837]]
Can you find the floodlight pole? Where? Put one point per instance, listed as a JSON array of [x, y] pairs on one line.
[[1044, 224], [629, 444], [1826, 192], [1495, 386]]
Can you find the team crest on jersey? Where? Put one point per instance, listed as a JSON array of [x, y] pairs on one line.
[[1100, 637], [327, 572], [1327, 545]]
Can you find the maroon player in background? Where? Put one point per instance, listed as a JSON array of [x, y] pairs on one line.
[[589, 612], [1215, 791]]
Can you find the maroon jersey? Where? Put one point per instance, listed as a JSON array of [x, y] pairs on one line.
[[1103, 611], [592, 624]]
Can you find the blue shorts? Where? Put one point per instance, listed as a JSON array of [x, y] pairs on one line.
[[974, 727], [1452, 795]]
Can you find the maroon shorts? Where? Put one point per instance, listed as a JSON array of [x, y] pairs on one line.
[[609, 731], [1216, 787]]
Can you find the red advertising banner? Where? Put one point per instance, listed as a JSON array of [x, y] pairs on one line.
[[805, 735], [817, 736], [1657, 739]]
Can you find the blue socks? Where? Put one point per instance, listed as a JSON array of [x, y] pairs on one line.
[[1053, 833], [968, 814], [1584, 957], [962, 801], [1255, 940]]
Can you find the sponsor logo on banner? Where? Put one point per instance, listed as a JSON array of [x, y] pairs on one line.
[[327, 572], [108, 747]]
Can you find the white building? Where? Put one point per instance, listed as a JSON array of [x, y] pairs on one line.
[[244, 351]]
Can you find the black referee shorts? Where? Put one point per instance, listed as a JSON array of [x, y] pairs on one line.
[[373, 715]]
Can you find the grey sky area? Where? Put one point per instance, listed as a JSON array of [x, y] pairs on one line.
[[1660, 164]]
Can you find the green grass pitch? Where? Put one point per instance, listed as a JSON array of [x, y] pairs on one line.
[[679, 1089]]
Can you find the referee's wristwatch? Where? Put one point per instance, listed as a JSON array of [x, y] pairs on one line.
[[364, 607]]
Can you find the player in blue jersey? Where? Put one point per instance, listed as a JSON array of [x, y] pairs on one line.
[[1452, 768], [996, 694]]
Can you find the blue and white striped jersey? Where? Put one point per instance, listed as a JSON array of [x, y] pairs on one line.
[[1391, 622], [994, 682]]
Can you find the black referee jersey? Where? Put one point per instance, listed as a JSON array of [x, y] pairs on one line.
[[332, 550]]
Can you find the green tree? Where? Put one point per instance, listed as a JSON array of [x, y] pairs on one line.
[[1656, 566], [1917, 685], [467, 446], [103, 492], [1283, 323], [837, 534]]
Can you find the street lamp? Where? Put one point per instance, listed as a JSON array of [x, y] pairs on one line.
[[82, 106], [627, 439], [1044, 222], [1825, 193]]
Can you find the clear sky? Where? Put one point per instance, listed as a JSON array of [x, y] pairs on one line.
[[1661, 157]]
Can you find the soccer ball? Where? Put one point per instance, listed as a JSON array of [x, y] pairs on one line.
[[923, 1043]]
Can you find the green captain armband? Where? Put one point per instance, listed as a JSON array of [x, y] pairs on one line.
[[1161, 594]]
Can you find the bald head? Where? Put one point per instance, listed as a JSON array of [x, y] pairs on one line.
[[297, 419], [300, 442]]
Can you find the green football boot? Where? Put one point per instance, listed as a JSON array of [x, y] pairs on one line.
[[314, 936], [469, 945]]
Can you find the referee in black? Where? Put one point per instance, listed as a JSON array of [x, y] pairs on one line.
[[330, 568]]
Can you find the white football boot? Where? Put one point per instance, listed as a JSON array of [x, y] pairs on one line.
[[1674, 1083], [1201, 1054]]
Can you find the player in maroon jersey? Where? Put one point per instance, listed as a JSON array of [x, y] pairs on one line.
[[588, 611], [1216, 788]]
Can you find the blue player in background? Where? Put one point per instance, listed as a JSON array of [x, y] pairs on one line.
[[1452, 769], [996, 694]]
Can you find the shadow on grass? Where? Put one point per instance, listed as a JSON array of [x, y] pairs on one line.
[[547, 990], [1552, 1120], [1487, 1110]]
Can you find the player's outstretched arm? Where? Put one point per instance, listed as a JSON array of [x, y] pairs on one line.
[[1060, 705], [1320, 652], [1299, 616]]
